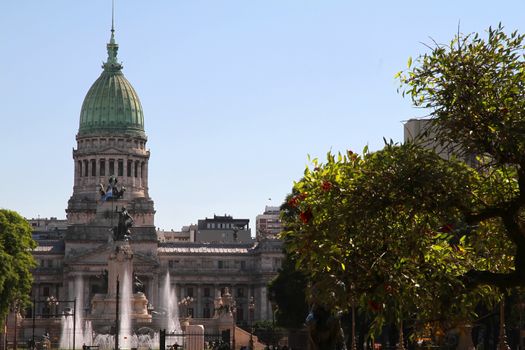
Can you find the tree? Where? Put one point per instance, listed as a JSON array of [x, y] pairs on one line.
[[385, 231], [407, 234], [475, 91], [287, 291], [16, 260]]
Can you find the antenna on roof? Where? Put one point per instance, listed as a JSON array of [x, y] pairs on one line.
[[112, 16]]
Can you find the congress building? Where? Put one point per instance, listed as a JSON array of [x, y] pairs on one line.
[[111, 154]]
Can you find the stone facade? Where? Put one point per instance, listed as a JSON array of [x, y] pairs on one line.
[[420, 131]]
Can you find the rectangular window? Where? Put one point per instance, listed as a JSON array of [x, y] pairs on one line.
[[120, 167], [206, 312], [243, 265], [102, 167], [45, 292], [206, 292], [93, 167], [136, 169], [189, 292], [129, 167], [80, 168], [86, 168], [240, 292], [221, 264], [111, 167]]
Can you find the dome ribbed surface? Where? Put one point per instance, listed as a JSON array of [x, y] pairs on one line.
[[111, 106]]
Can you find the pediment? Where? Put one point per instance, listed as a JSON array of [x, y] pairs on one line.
[[112, 150], [96, 255]]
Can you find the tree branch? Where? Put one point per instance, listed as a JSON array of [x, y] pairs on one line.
[[475, 278]]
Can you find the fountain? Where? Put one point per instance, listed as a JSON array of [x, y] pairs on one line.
[[170, 305], [96, 328], [127, 338], [74, 323]]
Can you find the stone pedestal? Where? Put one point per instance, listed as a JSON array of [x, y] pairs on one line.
[[120, 266], [104, 307]]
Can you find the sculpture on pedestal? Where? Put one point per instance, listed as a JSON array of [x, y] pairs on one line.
[[111, 191], [121, 232]]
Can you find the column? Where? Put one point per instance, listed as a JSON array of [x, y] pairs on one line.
[[140, 175], [70, 288], [76, 172], [85, 293], [261, 303], [145, 176], [125, 179]]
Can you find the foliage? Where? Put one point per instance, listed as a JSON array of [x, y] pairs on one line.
[[15, 260], [474, 89], [386, 230], [407, 234], [287, 291]]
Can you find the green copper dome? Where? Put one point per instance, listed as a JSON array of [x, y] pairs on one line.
[[111, 106]]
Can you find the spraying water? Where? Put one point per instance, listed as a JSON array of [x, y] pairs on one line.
[[125, 312], [72, 322], [170, 304]]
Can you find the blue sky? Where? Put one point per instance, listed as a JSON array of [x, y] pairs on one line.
[[235, 93]]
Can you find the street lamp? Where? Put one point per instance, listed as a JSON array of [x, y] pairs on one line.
[[15, 309], [233, 308], [52, 302], [275, 307], [251, 307], [185, 303]]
